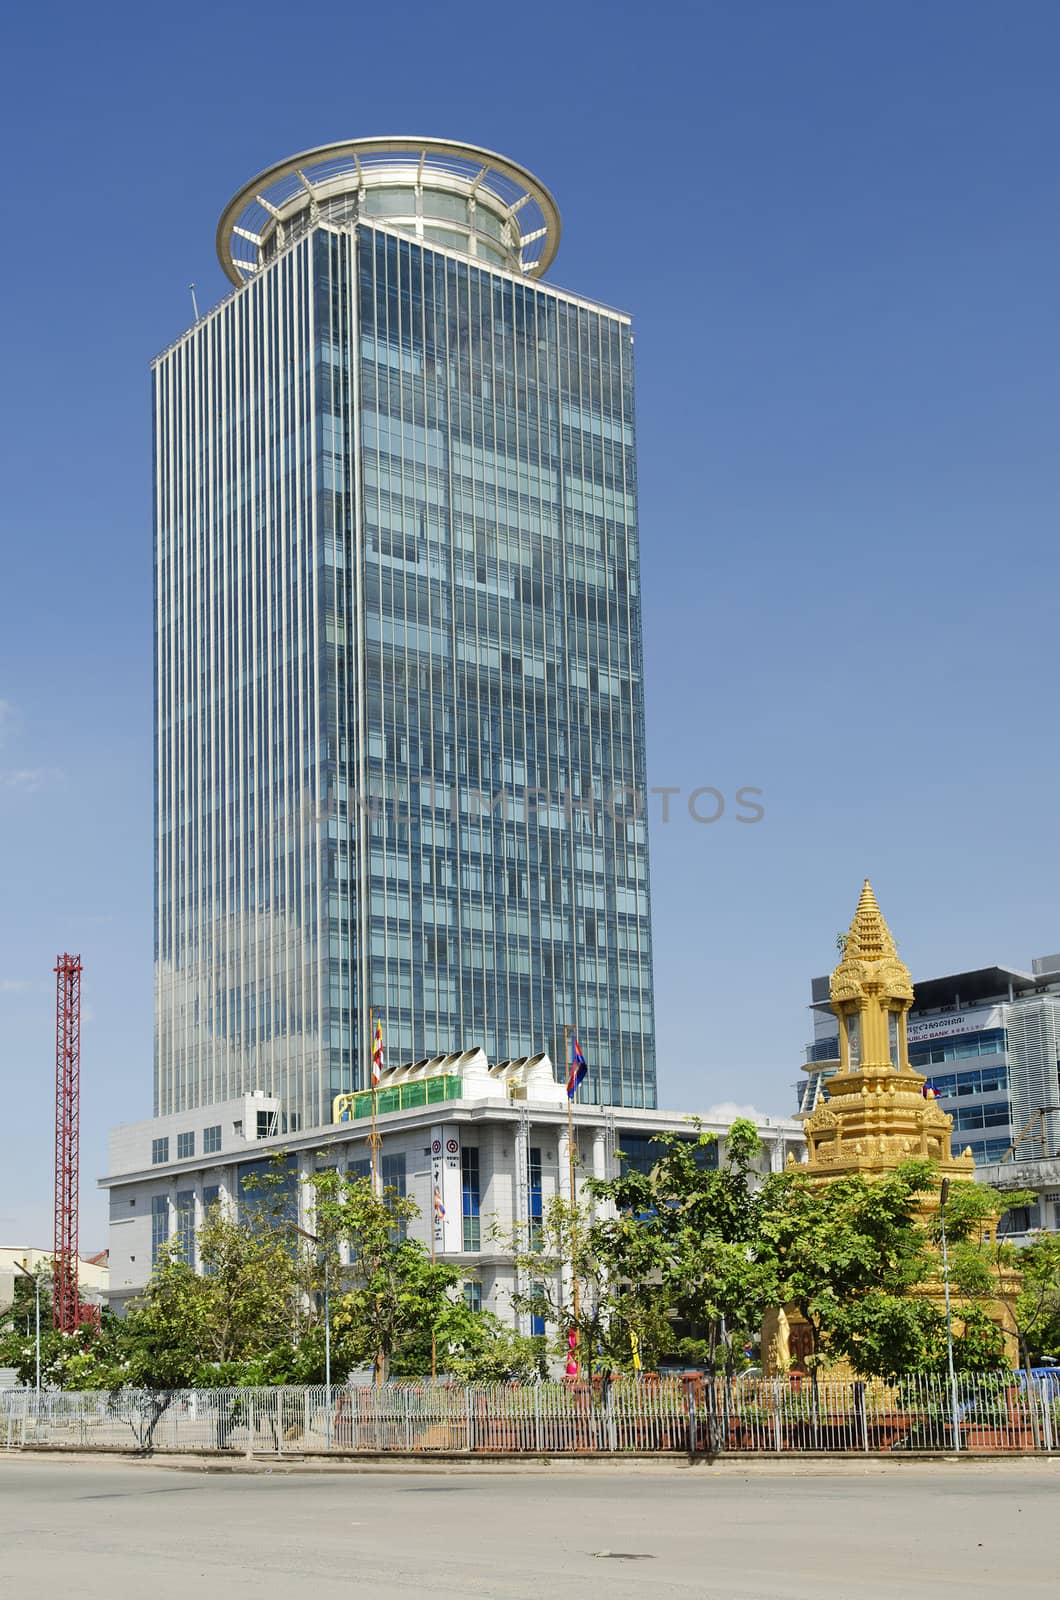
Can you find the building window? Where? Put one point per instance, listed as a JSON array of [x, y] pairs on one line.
[[994, 1115], [473, 1296], [987, 1042], [186, 1225], [853, 1025], [211, 1196], [185, 1146], [159, 1151], [469, 1176], [987, 1149], [267, 1125], [639, 1152], [361, 1168], [1020, 1220], [211, 1140], [393, 1169], [393, 1175], [537, 1323], [981, 1080], [159, 1225], [536, 1198]]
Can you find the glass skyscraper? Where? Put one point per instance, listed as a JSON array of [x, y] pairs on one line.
[[399, 703]]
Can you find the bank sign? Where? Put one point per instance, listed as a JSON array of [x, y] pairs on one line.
[[946, 1027]]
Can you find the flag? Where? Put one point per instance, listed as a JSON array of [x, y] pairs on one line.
[[578, 1069], [439, 1209], [377, 1053]]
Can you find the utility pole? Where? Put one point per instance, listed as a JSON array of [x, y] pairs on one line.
[[314, 1238], [34, 1278], [375, 1037], [944, 1193], [575, 1291]]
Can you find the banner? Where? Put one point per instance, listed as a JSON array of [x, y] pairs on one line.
[[446, 1185], [945, 1027]]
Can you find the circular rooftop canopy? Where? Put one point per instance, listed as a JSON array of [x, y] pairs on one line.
[[449, 194]]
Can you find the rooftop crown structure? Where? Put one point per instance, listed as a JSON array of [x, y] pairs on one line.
[[879, 1109], [455, 195]]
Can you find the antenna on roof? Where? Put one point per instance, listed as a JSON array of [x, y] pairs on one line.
[[194, 302]]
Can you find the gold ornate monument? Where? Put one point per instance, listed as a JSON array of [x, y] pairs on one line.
[[879, 1110]]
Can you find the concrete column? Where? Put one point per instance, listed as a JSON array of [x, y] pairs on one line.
[[521, 1209], [600, 1154], [563, 1148], [306, 1167]]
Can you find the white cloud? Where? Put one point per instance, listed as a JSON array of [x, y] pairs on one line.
[[14, 985], [23, 777], [728, 1111]]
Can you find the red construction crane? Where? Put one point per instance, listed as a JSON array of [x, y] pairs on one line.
[[67, 1311]]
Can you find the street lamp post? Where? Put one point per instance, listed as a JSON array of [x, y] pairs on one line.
[[944, 1192], [315, 1239], [34, 1278]]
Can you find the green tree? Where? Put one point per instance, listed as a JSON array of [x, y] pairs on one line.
[[1038, 1306], [63, 1355], [683, 1249], [486, 1350], [849, 1255], [566, 1244], [391, 1297], [984, 1270]]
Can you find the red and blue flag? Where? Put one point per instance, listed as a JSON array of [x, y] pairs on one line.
[[578, 1068]]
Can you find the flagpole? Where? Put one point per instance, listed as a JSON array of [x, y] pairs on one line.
[[373, 1137], [373, 1143], [573, 1197], [434, 1331]]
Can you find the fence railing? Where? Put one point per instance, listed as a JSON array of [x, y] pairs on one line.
[[983, 1413]]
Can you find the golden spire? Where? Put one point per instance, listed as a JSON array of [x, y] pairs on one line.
[[869, 938], [870, 963]]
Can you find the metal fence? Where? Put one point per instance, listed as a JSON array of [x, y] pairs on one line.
[[984, 1413]]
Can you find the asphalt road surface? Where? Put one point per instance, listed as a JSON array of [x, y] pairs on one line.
[[124, 1530]]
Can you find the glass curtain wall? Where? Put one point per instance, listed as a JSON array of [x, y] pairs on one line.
[[400, 734], [247, 618], [502, 787]]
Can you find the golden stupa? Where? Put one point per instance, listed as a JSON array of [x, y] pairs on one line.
[[878, 1112]]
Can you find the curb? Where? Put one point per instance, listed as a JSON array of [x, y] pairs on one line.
[[394, 1462]]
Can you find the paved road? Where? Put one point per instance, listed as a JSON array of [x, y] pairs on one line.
[[120, 1531]]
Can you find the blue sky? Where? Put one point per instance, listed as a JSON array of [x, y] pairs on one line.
[[836, 225]]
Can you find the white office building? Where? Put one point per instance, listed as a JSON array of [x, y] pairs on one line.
[[492, 1137]]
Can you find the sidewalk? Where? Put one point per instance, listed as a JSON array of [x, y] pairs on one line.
[[835, 1466]]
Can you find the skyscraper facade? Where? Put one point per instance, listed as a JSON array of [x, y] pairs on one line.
[[399, 704]]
